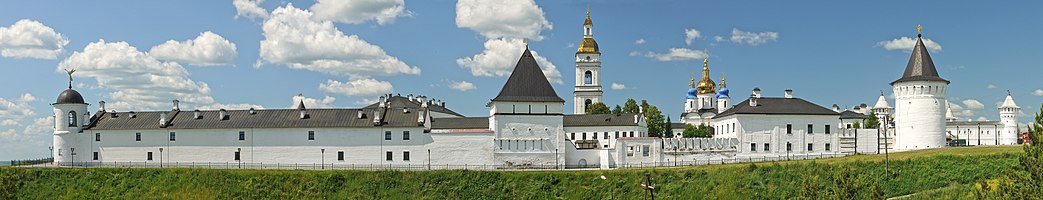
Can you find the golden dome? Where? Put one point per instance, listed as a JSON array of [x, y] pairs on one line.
[[706, 86], [588, 45]]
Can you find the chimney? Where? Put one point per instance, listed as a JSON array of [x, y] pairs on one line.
[[199, 115], [223, 114], [132, 114], [836, 108], [361, 114], [420, 117], [753, 100], [442, 104], [382, 101], [176, 106], [376, 118], [637, 119], [102, 108], [162, 120], [253, 111], [405, 110], [789, 93], [410, 96], [757, 92], [423, 101], [864, 107]]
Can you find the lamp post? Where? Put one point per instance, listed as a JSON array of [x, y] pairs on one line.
[[884, 112], [73, 153], [322, 158], [239, 159], [52, 154], [161, 157], [429, 159]]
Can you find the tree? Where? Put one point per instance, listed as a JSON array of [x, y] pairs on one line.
[[856, 125], [871, 121], [617, 110], [630, 107], [598, 108], [669, 127], [700, 131], [655, 121], [1027, 183]]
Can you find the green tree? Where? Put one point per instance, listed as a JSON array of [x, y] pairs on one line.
[[871, 121], [617, 110], [598, 108], [630, 106], [655, 121], [700, 131], [856, 125], [669, 127], [1028, 181]]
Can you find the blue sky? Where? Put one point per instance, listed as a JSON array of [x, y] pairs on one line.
[[828, 52]]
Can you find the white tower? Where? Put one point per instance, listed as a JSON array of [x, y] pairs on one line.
[[1009, 118], [882, 109], [70, 116], [588, 70], [920, 103]]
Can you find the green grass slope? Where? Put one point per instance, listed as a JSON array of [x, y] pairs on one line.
[[859, 177]]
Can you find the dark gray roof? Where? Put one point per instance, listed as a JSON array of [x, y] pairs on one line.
[[399, 102], [263, 118], [69, 96], [460, 123], [676, 125], [921, 66], [527, 83], [600, 120], [847, 114], [778, 106]]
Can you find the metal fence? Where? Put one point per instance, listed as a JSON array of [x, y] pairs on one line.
[[742, 159]]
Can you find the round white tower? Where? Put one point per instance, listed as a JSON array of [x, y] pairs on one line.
[[70, 116], [1009, 118], [920, 103]]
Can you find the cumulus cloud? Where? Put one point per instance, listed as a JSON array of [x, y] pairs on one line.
[[1038, 92], [357, 87], [17, 108], [907, 44], [294, 39], [462, 86], [640, 41], [690, 35], [502, 18], [718, 38], [618, 86], [983, 119], [752, 38], [990, 86], [359, 11], [500, 57], [207, 49], [325, 102], [973, 104], [676, 54], [250, 9], [31, 39], [9, 122]]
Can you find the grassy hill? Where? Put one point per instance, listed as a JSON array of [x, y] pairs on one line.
[[859, 176]]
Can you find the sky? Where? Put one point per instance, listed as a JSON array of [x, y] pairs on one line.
[[140, 55]]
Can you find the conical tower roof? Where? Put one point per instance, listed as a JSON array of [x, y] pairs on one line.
[[920, 66], [881, 102], [1009, 102], [527, 83]]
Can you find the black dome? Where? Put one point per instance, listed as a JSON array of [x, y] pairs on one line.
[[69, 96]]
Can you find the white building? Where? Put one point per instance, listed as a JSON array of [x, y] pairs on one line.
[[588, 70], [703, 101], [920, 104], [985, 132], [774, 126]]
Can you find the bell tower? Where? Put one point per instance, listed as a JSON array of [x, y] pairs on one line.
[[588, 70], [70, 117]]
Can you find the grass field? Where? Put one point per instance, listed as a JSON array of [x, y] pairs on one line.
[[938, 173]]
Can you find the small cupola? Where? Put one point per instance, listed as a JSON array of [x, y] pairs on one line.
[[198, 114], [789, 93], [222, 114]]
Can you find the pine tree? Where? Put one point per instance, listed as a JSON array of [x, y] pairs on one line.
[[617, 110], [871, 121], [669, 127], [1028, 183]]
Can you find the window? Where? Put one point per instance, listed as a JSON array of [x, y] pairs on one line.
[[767, 147], [387, 135], [606, 135], [97, 137], [405, 135], [172, 138], [827, 146], [848, 126], [644, 151], [72, 118], [789, 128], [811, 128], [811, 147], [630, 150], [137, 137], [340, 155], [586, 103], [584, 135], [236, 155], [242, 135], [573, 137], [311, 135], [827, 128], [390, 156], [588, 78], [753, 146], [405, 155], [789, 147], [149, 156], [95, 155], [631, 134]]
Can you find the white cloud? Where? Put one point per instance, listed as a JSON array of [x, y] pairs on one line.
[[205, 50], [462, 86], [357, 87], [35, 132], [502, 18], [250, 9], [9, 122], [635, 53], [907, 44], [366, 101], [677, 54], [359, 11], [238, 106], [618, 86], [325, 102], [690, 35], [500, 57], [292, 38], [990, 86], [31, 39], [17, 108], [753, 38], [983, 119], [640, 41], [973, 104], [1038, 92], [718, 38]]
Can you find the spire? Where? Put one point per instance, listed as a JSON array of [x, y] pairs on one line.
[[723, 79], [882, 101], [691, 83], [920, 66], [587, 21], [706, 86]]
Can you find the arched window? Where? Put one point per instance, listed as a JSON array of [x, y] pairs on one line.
[[586, 104], [72, 118], [588, 78]]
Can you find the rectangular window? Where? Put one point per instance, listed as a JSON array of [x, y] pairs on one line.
[[137, 137], [236, 155], [789, 147], [827, 128], [340, 155], [644, 150], [172, 138], [811, 128], [811, 147], [97, 137], [606, 135], [405, 135], [617, 134], [573, 137], [848, 126], [584, 135], [387, 135], [242, 135], [630, 150], [753, 146], [95, 155], [789, 128], [631, 134], [149, 156], [767, 147], [311, 135], [405, 155], [390, 156], [827, 146]]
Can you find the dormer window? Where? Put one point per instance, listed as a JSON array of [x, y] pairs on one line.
[[72, 118]]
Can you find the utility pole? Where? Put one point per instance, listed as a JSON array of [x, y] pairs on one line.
[[161, 157]]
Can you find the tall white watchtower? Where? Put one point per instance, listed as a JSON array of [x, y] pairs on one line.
[[1009, 118], [920, 103], [588, 70], [70, 116]]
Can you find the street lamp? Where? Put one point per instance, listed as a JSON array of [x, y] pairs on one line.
[[239, 159], [73, 153], [161, 157], [52, 153], [883, 112], [322, 158], [429, 159]]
